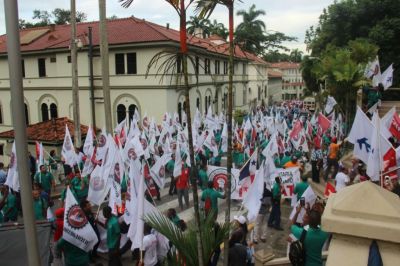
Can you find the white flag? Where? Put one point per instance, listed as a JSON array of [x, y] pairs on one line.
[[224, 138], [133, 149], [178, 161], [68, 151], [77, 229], [157, 171], [386, 122], [12, 180], [379, 147], [387, 77], [98, 187], [372, 68], [252, 200], [272, 147], [88, 147], [211, 144], [361, 136], [330, 103], [102, 145]]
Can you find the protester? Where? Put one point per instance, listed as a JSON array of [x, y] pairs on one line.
[[333, 157], [58, 226], [260, 230], [39, 206], [341, 180], [314, 238], [87, 209], [113, 237], [292, 163], [173, 216], [300, 187], [210, 197], [182, 187], [203, 177], [8, 206], [316, 159], [150, 247], [275, 215], [73, 256], [45, 179], [53, 163], [170, 167], [238, 253]]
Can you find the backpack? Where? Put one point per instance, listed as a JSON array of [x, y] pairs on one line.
[[297, 252]]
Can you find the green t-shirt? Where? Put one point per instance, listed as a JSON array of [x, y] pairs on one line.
[[276, 192], [313, 243], [300, 188], [113, 233], [80, 193], [73, 256], [53, 162], [203, 179], [10, 208], [44, 180], [170, 166], [213, 195], [39, 206]]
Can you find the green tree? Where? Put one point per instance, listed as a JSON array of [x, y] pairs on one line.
[[274, 56], [219, 29], [376, 21], [296, 55], [198, 23], [61, 17]]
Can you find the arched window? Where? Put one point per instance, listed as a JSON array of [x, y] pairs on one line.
[[45, 112], [53, 111], [205, 104], [198, 103], [26, 114], [121, 112], [209, 100], [131, 109]]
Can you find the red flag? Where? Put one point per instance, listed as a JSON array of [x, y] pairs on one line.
[[395, 126], [390, 163], [323, 123], [37, 150], [298, 126], [329, 189]]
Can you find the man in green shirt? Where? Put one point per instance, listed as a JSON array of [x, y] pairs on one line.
[[39, 206], [203, 177], [211, 195], [45, 179], [113, 237], [275, 216], [73, 256], [314, 240], [301, 187], [8, 205]]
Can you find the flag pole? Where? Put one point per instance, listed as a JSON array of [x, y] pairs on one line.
[[378, 135]]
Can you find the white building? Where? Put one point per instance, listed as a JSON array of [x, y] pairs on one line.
[[134, 87], [292, 80]]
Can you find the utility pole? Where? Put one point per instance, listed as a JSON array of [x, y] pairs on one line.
[[91, 79], [75, 88], [105, 65], [17, 106]]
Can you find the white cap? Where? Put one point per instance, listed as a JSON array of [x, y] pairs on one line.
[[241, 219]]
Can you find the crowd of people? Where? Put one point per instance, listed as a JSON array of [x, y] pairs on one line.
[[288, 135]]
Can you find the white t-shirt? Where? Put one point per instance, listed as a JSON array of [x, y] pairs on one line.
[[150, 248], [341, 180]]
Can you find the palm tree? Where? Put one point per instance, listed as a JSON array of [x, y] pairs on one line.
[[219, 29], [185, 242], [205, 8], [180, 7], [199, 23], [251, 32], [296, 55]]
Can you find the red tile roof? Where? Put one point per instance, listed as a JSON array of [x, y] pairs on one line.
[[51, 131], [120, 31], [285, 65], [274, 74]]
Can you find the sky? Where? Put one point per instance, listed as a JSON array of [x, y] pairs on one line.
[[292, 17]]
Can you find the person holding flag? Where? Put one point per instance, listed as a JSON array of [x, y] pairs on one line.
[[45, 179], [275, 215], [113, 236]]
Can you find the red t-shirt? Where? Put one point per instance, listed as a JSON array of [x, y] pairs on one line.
[[59, 228], [183, 179]]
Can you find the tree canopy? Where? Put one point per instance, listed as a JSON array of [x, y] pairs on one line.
[[61, 17], [253, 36], [377, 22]]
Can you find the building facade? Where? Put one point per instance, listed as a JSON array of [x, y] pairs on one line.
[[135, 84], [292, 80]]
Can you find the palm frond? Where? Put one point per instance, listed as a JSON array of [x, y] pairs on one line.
[[125, 3]]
